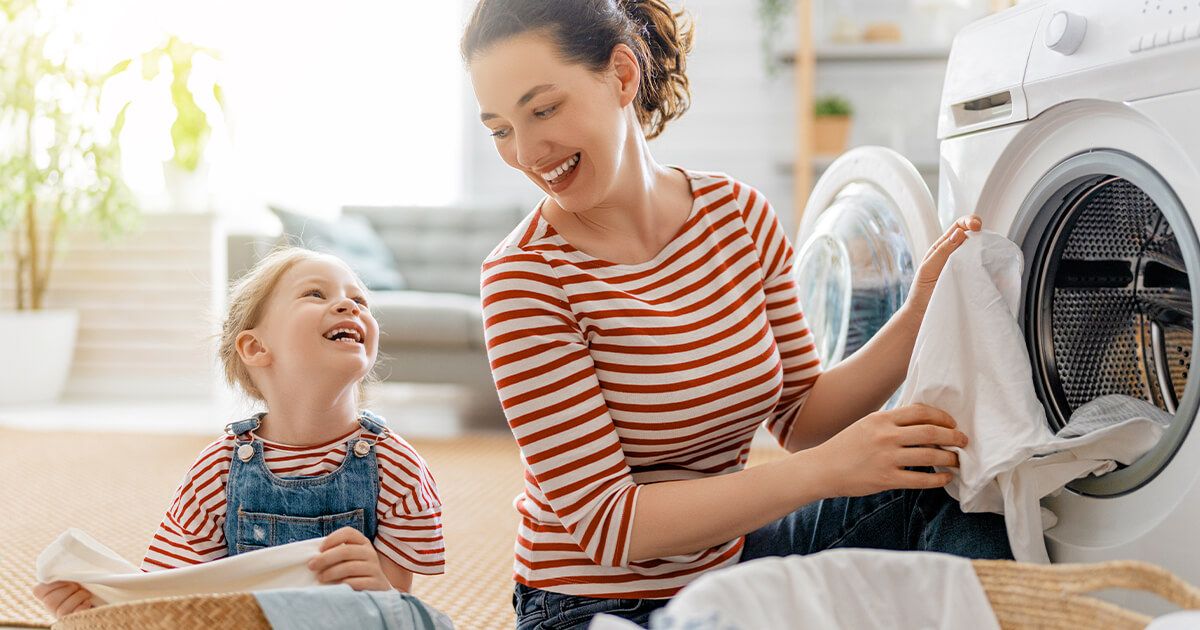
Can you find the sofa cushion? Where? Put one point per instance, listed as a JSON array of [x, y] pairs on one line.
[[440, 249], [351, 238], [451, 320]]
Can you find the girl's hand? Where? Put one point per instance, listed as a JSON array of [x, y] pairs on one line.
[[63, 598], [872, 454], [347, 557], [935, 261]]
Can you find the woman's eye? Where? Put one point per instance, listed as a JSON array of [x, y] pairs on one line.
[[500, 133], [546, 113]]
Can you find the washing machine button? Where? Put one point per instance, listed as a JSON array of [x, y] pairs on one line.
[[1177, 34], [1148, 41], [1192, 31], [1065, 31], [1136, 45]]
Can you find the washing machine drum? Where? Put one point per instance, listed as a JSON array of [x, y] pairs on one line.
[[1109, 297]]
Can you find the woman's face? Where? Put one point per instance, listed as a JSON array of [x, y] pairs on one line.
[[560, 124]]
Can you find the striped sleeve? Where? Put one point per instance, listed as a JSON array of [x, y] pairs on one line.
[[552, 399], [801, 365], [191, 531], [409, 530]]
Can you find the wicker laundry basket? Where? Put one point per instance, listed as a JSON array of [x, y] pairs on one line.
[[1023, 596], [193, 612], [1050, 597]]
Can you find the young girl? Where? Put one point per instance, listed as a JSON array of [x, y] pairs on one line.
[[300, 337]]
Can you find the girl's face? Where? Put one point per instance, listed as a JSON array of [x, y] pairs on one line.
[[317, 319], [560, 124]]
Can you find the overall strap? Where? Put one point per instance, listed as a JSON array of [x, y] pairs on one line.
[[372, 422], [240, 428]]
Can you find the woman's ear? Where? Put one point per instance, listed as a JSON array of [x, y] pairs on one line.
[[251, 349], [628, 73]]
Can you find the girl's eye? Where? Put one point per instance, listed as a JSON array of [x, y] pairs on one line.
[[316, 291], [546, 113], [500, 133], [361, 302]]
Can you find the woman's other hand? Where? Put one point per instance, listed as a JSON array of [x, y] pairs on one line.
[[63, 598], [348, 557], [874, 454], [935, 260]]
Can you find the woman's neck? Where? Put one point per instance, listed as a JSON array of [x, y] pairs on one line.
[[649, 204]]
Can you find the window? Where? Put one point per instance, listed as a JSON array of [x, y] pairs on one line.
[[327, 103]]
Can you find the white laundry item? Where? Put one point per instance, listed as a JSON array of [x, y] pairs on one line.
[[840, 588], [970, 361], [77, 557]]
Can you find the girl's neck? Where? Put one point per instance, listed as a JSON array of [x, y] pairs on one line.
[[297, 421]]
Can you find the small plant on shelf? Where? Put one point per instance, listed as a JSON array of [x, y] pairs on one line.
[[831, 127], [832, 106]]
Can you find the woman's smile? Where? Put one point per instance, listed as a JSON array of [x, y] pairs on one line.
[[563, 176]]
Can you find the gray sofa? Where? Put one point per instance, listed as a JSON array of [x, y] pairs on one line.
[[431, 331]]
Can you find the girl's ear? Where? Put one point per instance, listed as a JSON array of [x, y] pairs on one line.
[[251, 349], [628, 73]]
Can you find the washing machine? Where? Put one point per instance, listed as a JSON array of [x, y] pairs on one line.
[[1073, 127]]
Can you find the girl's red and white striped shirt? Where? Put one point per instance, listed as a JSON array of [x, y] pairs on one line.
[[617, 375], [409, 512]]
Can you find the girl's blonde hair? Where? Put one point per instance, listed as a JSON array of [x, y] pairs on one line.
[[247, 302]]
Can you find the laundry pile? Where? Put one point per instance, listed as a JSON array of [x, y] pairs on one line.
[[970, 361], [840, 588]]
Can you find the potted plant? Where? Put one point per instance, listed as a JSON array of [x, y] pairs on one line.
[[770, 15], [185, 175], [831, 126], [60, 165]]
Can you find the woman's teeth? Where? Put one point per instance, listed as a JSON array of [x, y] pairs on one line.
[[564, 169]]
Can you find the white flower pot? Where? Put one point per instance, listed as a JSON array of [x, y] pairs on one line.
[[187, 190], [35, 354]]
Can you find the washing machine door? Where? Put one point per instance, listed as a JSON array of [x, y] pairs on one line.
[[865, 229]]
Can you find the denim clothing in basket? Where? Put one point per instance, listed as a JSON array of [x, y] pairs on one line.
[[906, 520], [321, 607], [265, 509]]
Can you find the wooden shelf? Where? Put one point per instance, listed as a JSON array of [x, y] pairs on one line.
[[874, 52], [819, 163]]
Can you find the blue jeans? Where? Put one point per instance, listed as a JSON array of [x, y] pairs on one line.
[[906, 520]]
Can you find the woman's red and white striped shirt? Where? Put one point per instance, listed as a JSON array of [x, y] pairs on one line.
[[613, 375], [409, 530]]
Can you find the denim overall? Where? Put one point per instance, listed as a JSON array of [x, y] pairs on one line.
[[264, 509]]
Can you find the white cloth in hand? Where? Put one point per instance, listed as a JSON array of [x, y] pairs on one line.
[[970, 361], [77, 557]]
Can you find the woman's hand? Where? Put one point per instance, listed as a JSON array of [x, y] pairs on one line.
[[872, 454], [63, 598], [347, 557], [935, 261]]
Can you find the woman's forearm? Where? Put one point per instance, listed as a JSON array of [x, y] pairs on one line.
[[859, 385], [682, 517]]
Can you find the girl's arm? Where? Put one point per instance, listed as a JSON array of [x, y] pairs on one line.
[[398, 576]]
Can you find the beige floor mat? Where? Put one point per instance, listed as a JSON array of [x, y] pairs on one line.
[[116, 487]]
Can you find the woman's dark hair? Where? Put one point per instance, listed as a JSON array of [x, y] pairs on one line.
[[586, 31]]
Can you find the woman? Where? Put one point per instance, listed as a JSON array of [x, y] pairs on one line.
[[642, 322]]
